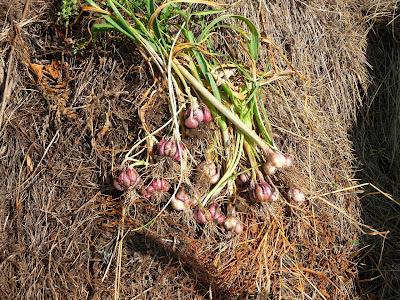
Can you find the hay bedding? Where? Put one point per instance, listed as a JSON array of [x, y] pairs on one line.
[[376, 139], [64, 137]]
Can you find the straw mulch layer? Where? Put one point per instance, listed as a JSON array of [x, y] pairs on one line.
[[376, 138], [65, 233]]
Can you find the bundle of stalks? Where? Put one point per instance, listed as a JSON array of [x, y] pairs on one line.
[[213, 188], [220, 176]]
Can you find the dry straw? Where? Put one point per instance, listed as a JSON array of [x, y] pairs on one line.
[[65, 234]]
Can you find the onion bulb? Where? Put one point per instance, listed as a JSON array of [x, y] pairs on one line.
[[288, 161], [244, 178], [210, 170], [238, 228], [278, 160], [296, 196], [207, 117], [127, 178], [230, 223], [200, 216], [170, 148], [178, 204], [261, 191], [269, 168]]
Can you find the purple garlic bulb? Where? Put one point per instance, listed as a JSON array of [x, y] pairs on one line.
[[260, 191], [127, 178]]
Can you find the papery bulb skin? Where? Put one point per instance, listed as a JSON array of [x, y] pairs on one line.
[[178, 205], [215, 178], [278, 160], [296, 196], [200, 216], [182, 195], [209, 169], [191, 123], [207, 115], [198, 115], [165, 186], [269, 169], [117, 186], [148, 192], [238, 228], [150, 189], [244, 178], [230, 223], [288, 161], [133, 175], [126, 179], [220, 219], [160, 185], [161, 147], [213, 209], [261, 191], [170, 148], [178, 156], [275, 195], [156, 184], [123, 179]]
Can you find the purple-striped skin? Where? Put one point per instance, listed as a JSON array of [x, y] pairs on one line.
[[160, 185], [195, 116], [126, 179], [161, 147], [261, 191], [157, 185], [170, 148], [191, 123], [213, 209], [200, 216], [198, 115], [207, 116], [220, 218]]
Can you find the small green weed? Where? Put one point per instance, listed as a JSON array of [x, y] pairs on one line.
[[68, 10]]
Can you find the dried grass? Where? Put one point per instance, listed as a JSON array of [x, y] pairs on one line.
[[376, 139], [60, 146]]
